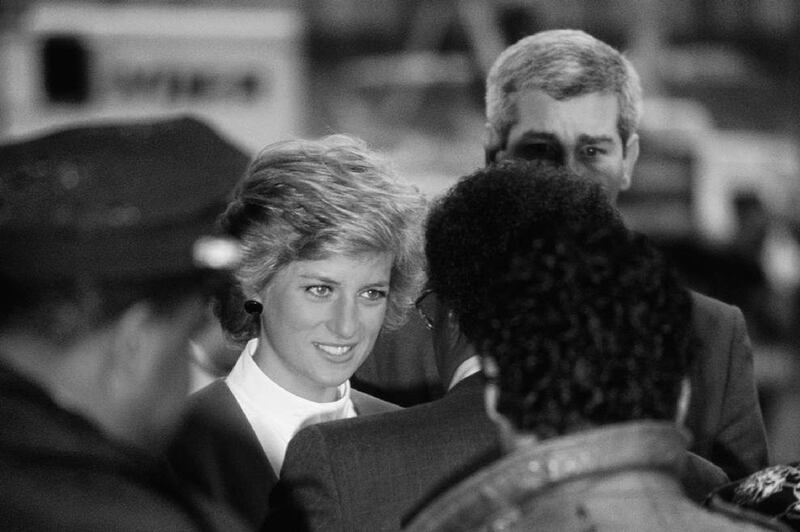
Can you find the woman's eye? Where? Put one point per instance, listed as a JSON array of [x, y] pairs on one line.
[[319, 290], [373, 294]]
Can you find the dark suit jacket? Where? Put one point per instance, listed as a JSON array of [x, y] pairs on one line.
[[724, 414], [367, 474], [217, 451]]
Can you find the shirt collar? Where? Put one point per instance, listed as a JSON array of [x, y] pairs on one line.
[[469, 367]]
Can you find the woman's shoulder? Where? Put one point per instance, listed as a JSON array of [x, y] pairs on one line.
[[366, 404], [213, 399], [213, 414]]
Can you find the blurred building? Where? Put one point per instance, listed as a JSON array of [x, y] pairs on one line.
[[239, 67], [719, 175]]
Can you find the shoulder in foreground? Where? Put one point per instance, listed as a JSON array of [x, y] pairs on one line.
[[366, 404], [212, 409], [708, 304]]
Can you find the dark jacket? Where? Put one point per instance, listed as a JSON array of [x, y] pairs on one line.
[[367, 473], [217, 451], [724, 415], [58, 471]]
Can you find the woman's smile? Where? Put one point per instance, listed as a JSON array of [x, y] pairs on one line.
[[334, 349]]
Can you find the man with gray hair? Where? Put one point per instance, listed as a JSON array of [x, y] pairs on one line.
[[564, 96], [569, 98]]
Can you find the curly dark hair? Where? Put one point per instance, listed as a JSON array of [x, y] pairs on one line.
[[470, 229], [586, 320]]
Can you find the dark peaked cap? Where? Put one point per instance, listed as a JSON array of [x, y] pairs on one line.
[[116, 201]]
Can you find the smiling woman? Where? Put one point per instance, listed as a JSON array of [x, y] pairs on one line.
[[331, 255], [322, 319]]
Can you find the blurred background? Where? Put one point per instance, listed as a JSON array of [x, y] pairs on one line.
[[717, 184]]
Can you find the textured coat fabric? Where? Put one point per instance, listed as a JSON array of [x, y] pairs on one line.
[[366, 474], [773, 492], [620, 477], [217, 451], [59, 472]]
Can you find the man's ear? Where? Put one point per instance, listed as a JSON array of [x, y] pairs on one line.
[[450, 346], [142, 337], [133, 343], [629, 162], [492, 144], [491, 391], [684, 398], [509, 438]]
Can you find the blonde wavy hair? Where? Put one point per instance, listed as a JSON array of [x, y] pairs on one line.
[[311, 199]]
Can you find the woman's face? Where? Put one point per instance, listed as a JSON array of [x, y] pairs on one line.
[[320, 321]]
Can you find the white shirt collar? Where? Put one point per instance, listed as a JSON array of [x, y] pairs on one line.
[[469, 367], [275, 413]]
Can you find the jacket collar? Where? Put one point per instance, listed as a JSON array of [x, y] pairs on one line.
[[472, 382], [533, 467]]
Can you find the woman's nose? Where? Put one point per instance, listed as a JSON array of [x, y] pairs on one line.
[[344, 320]]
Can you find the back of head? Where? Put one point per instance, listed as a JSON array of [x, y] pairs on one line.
[[472, 228], [587, 323], [309, 200], [563, 64], [97, 217], [588, 326]]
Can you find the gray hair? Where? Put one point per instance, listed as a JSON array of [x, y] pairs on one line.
[[563, 64], [311, 199]]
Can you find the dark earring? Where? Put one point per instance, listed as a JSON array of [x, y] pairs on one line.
[[251, 306]]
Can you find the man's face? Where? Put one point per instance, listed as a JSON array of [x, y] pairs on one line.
[[579, 132]]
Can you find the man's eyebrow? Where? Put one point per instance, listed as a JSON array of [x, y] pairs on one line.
[[594, 139], [538, 136]]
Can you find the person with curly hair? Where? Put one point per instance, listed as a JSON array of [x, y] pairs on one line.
[[584, 333], [331, 256]]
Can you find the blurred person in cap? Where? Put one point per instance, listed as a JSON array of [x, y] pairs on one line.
[[583, 330], [107, 252], [332, 255]]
